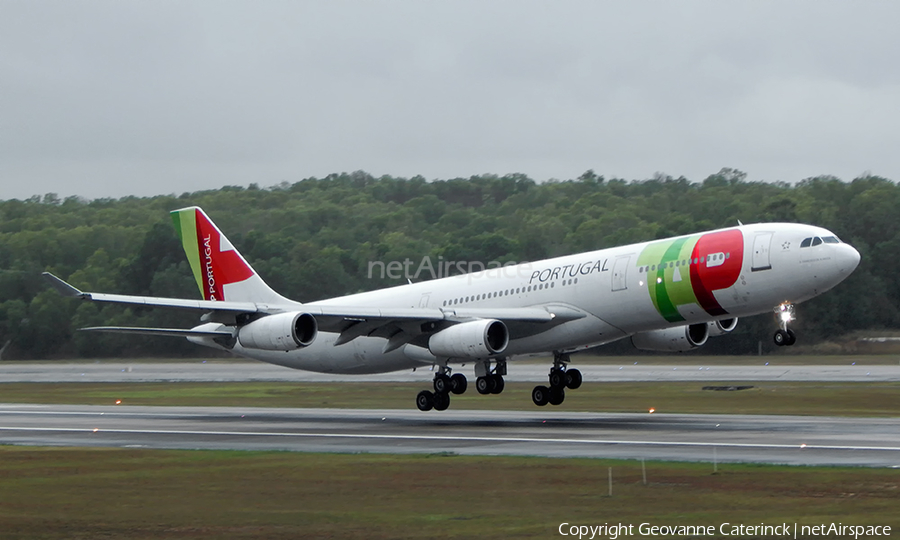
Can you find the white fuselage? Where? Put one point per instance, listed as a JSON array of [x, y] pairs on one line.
[[620, 291]]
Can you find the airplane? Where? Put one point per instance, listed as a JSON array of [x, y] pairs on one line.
[[666, 295]]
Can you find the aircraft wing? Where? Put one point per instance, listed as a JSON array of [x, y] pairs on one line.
[[152, 301], [398, 325], [413, 325]]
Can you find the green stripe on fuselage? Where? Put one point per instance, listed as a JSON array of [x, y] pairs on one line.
[[669, 285], [186, 226]]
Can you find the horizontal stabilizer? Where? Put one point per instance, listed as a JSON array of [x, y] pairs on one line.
[[177, 332]]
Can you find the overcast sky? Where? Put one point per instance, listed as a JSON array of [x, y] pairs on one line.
[[107, 99]]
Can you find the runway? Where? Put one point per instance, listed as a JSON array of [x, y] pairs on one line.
[[797, 440], [218, 371]]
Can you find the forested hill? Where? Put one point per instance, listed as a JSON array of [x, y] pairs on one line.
[[316, 238]]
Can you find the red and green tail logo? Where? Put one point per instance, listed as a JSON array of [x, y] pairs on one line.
[[213, 259]]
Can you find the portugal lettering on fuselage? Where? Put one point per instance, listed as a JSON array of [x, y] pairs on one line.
[[569, 270]]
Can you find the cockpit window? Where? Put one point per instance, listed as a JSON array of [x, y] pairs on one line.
[[806, 242], [816, 241], [831, 240]]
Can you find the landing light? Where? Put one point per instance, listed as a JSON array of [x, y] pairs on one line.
[[652, 410], [118, 402], [785, 312]]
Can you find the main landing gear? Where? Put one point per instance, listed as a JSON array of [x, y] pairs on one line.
[[444, 385], [488, 381], [784, 336], [560, 379]]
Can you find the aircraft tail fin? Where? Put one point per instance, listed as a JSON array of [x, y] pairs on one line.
[[221, 272]]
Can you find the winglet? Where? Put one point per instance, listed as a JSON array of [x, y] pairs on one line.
[[64, 288]]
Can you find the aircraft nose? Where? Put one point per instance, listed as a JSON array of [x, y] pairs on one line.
[[846, 258]]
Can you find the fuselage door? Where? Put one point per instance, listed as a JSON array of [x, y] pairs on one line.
[[761, 244], [620, 271], [423, 302]]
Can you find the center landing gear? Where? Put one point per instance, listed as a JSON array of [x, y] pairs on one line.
[[490, 381], [560, 378], [444, 384], [784, 336]]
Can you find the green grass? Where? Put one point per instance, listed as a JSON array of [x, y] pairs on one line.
[[803, 398], [51, 493]]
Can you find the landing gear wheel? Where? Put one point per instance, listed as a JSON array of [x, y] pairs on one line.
[[557, 378], [441, 402], [425, 400], [540, 395], [557, 396], [498, 385], [573, 379], [791, 338], [780, 338], [484, 385], [458, 383], [441, 383]]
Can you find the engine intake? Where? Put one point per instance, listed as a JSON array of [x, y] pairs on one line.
[[279, 332], [474, 339], [677, 339], [725, 326]]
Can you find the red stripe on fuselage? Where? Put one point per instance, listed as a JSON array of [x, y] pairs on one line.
[[706, 279]]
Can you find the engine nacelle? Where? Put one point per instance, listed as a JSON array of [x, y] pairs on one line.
[[677, 339], [279, 332], [473, 339], [718, 328]]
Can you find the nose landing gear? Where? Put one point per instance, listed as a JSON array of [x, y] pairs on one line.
[[784, 336]]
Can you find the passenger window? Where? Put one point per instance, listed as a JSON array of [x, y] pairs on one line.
[[816, 241], [805, 243]]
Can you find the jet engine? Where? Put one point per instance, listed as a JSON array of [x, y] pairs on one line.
[[677, 339], [725, 326], [474, 339], [279, 332]]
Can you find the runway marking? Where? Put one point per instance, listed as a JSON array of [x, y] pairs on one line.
[[799, 446]]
